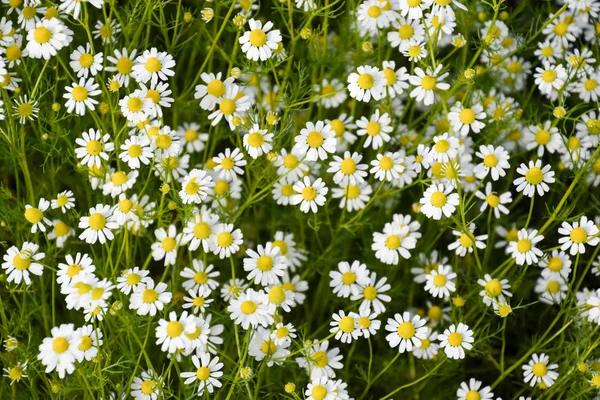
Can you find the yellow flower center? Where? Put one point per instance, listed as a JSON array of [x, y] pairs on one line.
[[153, 65], [227, 106], [255, 139], [578, 235], [539, 369], [523, 245], [435, 313], [25, 110], [366, 81], [258, 37], [560, 29], [493, 288], [264, 263], [406, 32], [442, 146], [473, 395], [370, 293], [428, 82], [385, 163], [221, 187], [534, 176], [248, 307], [590, 84], [309, 193], [364, 322], [13, 53], [97, 221], [86, 60], [60, 345], [348, 278], [374, 11], [283, 247], [224, 239], [216, 88], [42, 35], [147, 387], [439, 280], [15, 373], [202, 373], [467, 116], [168, 244], [119, 178], [455, 339], [406, 330], [174, 329], [542, 137], [149, 296], [319, 359], [86, 343], [276, 295], [314, 139], [373, 128], [490, 160], [346, 324], [200, 277], [163, 141], [33, 215], [348, 166], [492, 200], [549, 76], [198, 302], [318, 392], [21, 263], [133, 279], [392, 242], [438, 199]]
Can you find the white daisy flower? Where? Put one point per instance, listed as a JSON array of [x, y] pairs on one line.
[[195, 187], [18, 264], [35, 216], [146, 387], [464, 244], [544, 137], [577, 234], [495, 161], [123, 65], [495, 202], [136, 150], [229, 164], [535, 177], [257, 141], [309, 195], [347, 170], [445, 148], [332, 93], [524, 249], [59, 351], [439, 200], [472, 390], [345, 327], [88, 340], [314, 141], [368, 82], [493, 289], [465, 120], [441, 282], [455, 340], [266, 265], [395, 79], [231, 106], [349, 279], [260, 41], [171, 333], [251, 309], [393, 243], [136, 107], [94, 147], [227, 240], [427, 83], [79, 96], [377, 128], [133, 278], [84, 63], [321, 361], [537, 371], [167, 245], [153, 65], [64, 200], [207, 374], [46, 39], [550, 77], [213, 90], [82, 264], [407, 331], [372, 294], [98, 225], [201, 277]]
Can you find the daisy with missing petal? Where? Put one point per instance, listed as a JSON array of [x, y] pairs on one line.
[[153, 65], [211, 92], [195, 187], [260, 41], [494, 162], [229, 164], [123, 65], [345, 326], [377, 128], [439, 200], [73, 267], [577, 234], [315, 141], [172, 334], [25, 109], [495, 202], [148, 298], [79, 96], [524, 249], [59, 351], [349, 278], [537, 371], [427, 83], [167, 245], [395, 79], [406, 331], [309, 195], [493, 289], [94, 148], [455, 340], [372, 294], [251, 309], [35, 216], [535, 177], [46, 39], [465, 120], [473, 391], [257, 141], [441, 282], [84, 63], [265, 265], [98, 226], [231, 106], [16, 373], [133, 278], [19, 263], [207, 374], [227, 240], [368, 82]]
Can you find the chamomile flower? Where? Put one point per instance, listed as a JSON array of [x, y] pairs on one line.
[[551, 287], [309, 195], [550, 77], [167, 245], [79, 96], [46, 39], [465, 120], [535, 177], [250, 309], [94, 147], [377, 129], [227, 240], [474, 390], [524, 249], [445, 148], [373, 294], [368, 83], [314, 141], [260, 41], [266, 265], [193, 139], [494, 162], [106, 30], [136, 107], [35, 216], [207, 374], [196, 186], [25, 109], [439, 200], [88, 340], [201, 277], [427, 83], [577, 234], [98, 225], [18, 264], [455, 340], [349, 278], [345, 326], [229, 163], [64, 200], [493, 289], [406, 33], [347, 170], [495, 202], [407, 331], [231, 106], [172, 334], [133, 278], [371, 18], [538, 371], [146, 387], [123, 65], [393, 243], [118, 182], [290, 166], [211, 92], [59, 351], [557, 262], [441, 282], [153, 65], [321, 360], [387, 166], [136, 150], [332, 93], [544, 137], [16, 373], [198, 300], [257, 141], [84, 63]]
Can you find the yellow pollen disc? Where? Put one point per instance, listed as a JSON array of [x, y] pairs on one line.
[[73, 270], [549, 76], [435, 313], [248, 307], [33, 215], [61, 229], [492, 200], [216, 88], [309, 193], [86, 343], [224, 239], [13, 53], [515, 67], [190, 135], [352, 191], [373, 128], [406, 32], [490, 160], [455, 339], [438, 199], [221, 187], [258, 37], [370, 293], [348, 278], [153, 65], [466, 241], [555, 264], [425, 343], [124, 66], [174, 329], [319, 359], [504, 310], [264, 263], [42, 35], [15, 373], [25, 110], [414, 51], [374, 11], [406, 330], [413, 3], [133, 279], [97, 221], [318, 392], [386, 163], [147, 387], [439, 280], [86, 60], [346, 324], [227, 106], [467, 116], [596, 380], [153, 95], [534, 176], [202, 373], [542, 137], [283, 247], [314, 139], [348, 166], [119, 178], [364, 322], [290, 161], [282, 332], [82, 288], [493, 288], [97, 293], [198, 302], [255, 139], [473, 395], [366, 81], [200, 277], [79, 93], [428, 82], [60, 345], [523, 245], [168, 244], [539, 369], [578, 235], [149, 296], [442, 146], [560, 29], [227, 163], [590, 84], [20, 263], [163, 141], [328, 90], [392, 242], [276, 295], [134, 151]]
